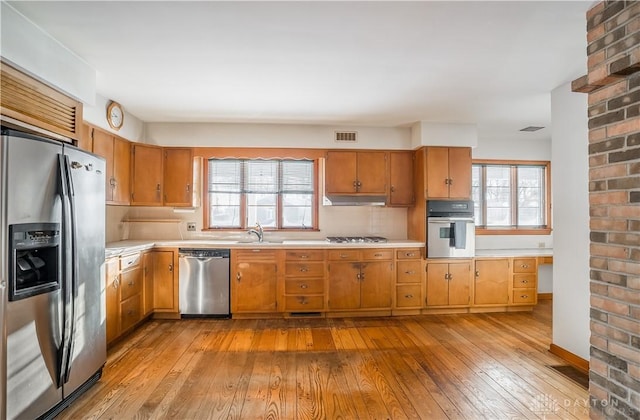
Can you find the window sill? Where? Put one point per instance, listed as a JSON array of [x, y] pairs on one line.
[[513, 231]]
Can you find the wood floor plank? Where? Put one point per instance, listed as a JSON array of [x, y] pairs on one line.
[[473, 366]]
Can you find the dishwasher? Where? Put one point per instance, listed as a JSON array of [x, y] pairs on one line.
[[204, 282]]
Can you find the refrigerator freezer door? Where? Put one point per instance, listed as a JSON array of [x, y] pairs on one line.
[[89, 350], [33, 325]]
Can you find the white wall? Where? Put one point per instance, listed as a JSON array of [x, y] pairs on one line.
[[273, 135], [38, 54], [424, 133], [571, 220]]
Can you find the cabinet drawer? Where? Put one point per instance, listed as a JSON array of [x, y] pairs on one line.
[[524, 265], [130, 283], [130, 312], [408, 254], [305, 255], [301, 269], [524, 296], [409, 272], [304, 303], [130, 261], [344, 255], [377, 254], [409, 296], [304, 286], [523, 281], [254, 254]]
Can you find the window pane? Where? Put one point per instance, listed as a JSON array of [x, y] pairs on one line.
[[297, 176], [531, 196], [498, 195], [296, 210], [224, 193], [261, 176], [476, 193], [224, 216]]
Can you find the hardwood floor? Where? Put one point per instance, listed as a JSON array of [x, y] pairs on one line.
[[492, 366]]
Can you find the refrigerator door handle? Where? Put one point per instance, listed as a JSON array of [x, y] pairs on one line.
[[69, 271]]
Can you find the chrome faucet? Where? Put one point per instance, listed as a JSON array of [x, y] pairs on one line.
[[258, 231]]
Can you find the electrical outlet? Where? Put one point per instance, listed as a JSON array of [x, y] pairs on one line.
[[191, 226], [542, 244]]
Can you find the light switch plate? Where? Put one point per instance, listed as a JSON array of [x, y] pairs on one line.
[[191, 226]]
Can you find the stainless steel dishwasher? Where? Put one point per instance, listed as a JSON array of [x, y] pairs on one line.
[[204, 282]]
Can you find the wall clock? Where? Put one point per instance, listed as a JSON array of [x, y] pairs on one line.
[[115, 115]]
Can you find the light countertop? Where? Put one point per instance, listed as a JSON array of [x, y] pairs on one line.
[[514, 252]]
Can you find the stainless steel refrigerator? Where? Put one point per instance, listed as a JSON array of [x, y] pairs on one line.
[[52, 311]]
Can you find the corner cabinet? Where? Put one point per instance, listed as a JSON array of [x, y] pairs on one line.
[[448, 172], [361, 172], [146, 186], [254, 281]]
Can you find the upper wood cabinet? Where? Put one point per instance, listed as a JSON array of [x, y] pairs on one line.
[[448, 172], [401, 179], [351, 172], [178, 177], [146, 186], [117, 153]]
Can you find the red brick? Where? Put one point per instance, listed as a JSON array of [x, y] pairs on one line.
[[610, 197], [623, 323], [625, 211], [635, 313], [597, 135], [595, 33], [600, 289], [595, 59], [599, 211], [625, 295], [624, 267], [627, 353], [599, 7], [609, 305], [599, 367], [612, 225], [608, 251], [624, 127], [633, 283], [598, 341], [632, 369], [597, 160], [611, 171], [608, 92]]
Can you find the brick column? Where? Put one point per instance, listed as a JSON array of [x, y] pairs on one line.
[[613, 85]]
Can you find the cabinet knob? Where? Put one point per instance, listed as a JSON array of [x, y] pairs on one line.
[[410, 254], [477, 273], [302, 300], [524, 266], [238, 276], [170, 268], [377, 255], [188, 187], [410, 272], [303, 286], [131, 283], [343, 256], [393, 188], [303, 256], [408, 296], [303, 269], [525, 281], [112, 182], [524, 296]]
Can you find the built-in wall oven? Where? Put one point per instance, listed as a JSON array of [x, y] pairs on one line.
[[451, 231]]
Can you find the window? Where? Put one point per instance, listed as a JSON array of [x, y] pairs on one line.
[[280, 194], [511, 196]]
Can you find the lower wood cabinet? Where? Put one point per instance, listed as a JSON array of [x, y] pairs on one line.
[[165, 280], [360, 279], [491, 285], [448, 283], [254, 281], [304, 280], [112, 297], [409, 279], [525, 281]]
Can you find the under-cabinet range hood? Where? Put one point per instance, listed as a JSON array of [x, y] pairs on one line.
[[355, 200]]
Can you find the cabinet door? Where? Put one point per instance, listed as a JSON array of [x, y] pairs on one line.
[[147, 283], [255, 287], [401, 178], [344, 285], [86, 138], [438, 172], [147, 176], [491, 282], [112, 295], [164, 282], [121, 171], [459, 283], [437, 284], [375, 284], [103, 146], [340, 173], [178, 177], [460, 172], [372, 172]]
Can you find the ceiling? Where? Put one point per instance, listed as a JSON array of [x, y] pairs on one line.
[[377, 63]]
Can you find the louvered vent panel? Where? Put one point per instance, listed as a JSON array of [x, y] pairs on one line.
[[28, 100], [347, 136]]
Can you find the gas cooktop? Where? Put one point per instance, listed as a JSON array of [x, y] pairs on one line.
[[355, 239]]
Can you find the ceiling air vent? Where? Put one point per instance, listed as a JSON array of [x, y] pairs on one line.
[[347, 136], [531, 128]]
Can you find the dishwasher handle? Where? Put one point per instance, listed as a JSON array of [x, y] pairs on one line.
[[203, 253]]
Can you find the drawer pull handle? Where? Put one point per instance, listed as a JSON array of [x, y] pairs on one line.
[[170, 268], [344, 256], [524, 266], [304, 269], [238, 276], [304, 256], [303, 286], [410, 254], [525, 281], [131, 283], [409, 296], [524, 296], [410, 272], [377, 255], [302, 301], [129, 262]]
